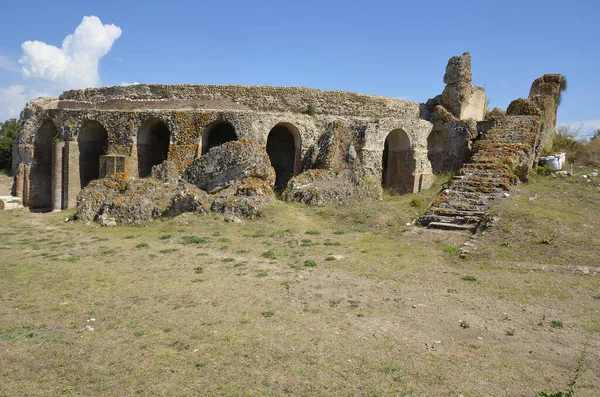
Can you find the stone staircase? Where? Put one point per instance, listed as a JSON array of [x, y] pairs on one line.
[[503, 155]]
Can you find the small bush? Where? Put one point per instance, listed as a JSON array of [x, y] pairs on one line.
[[330, 258], [556, 324], [199, 270], [165, 237], [270, 254], [542, 170], [313, 232], [262, 274], [464, 324], [416, 203], [310, 263], [451, 249], [194, 240], [142, 245], [547, 240], [505, 244], [469, 278], [268, 314], [226, 260]]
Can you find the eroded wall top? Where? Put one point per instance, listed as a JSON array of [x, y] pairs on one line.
[[235, 97]]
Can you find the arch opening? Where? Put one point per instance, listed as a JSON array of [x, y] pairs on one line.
[[396, 174], [217, 134], [92, 142], [40, 196], [283, 148], [153, 141]]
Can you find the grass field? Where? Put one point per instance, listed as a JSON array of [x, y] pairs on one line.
[[335, 300]]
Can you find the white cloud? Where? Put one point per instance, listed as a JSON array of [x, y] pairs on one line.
[[585, 128], [75, 64], [51, 70], [9, 64], [125, 83], [12, 100]]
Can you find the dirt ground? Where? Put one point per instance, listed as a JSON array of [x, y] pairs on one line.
[[336, 300]]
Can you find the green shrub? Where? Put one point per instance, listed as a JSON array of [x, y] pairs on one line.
[[310, 263], [194, 240], [270, 254], [451, 249], [416, 202]]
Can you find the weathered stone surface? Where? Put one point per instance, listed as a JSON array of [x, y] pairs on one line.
[[245, 198], [495, 113], [228, 163], [522, 107], [125, 201], [318, 187], [165, 172], [336, 149], [188, 198], [458, 69], [455, 96]]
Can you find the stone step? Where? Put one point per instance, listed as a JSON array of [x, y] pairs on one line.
[[459, 220], [450, 226], [455, 212]]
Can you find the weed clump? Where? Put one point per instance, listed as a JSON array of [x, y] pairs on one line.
[[194, 240], [310, 263], [556, 324], [451, 249], [270, 254], [469, 278]]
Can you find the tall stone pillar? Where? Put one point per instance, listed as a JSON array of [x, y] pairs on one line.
[[57, 175], [71, 182], [19, 180], [26, 185]]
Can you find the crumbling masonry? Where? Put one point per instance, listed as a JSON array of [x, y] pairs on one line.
[[66, 142]]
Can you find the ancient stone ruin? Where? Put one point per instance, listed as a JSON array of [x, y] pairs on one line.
[[101, 149]]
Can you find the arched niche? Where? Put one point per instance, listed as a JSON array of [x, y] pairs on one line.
[[40, 177], [216, 134], [92, 141], [396, 174], [284, 147], [153, 141]]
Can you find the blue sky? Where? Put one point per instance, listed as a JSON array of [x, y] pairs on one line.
[[390, 48]]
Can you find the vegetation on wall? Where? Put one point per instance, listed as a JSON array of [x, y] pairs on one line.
[[8, 133]]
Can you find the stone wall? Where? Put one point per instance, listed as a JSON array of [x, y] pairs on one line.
[[105, 123]]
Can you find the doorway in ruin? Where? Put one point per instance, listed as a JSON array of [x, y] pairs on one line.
[[92, 142], [40, 195], [152, 145], [396, 174], [217, 134], [283, 148]]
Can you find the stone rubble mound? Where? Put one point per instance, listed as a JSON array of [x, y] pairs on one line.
[[318, 187], [230, 162], [235, 178]]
